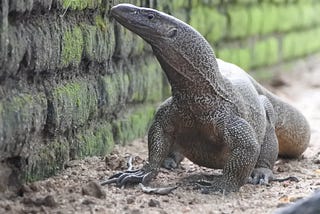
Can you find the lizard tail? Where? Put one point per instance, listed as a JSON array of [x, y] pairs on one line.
[[292, 128]]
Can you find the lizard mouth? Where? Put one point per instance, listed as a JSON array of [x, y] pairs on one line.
[[125, 17], [128, 16]]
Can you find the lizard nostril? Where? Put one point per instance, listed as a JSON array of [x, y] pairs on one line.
[[150, 16], [135, 11]]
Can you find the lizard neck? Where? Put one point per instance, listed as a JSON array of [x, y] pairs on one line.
[[192, 69]]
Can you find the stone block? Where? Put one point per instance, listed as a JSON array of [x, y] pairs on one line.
[[22, 116], [71, 105], [80, 4], [133, 124], [239, 22], [270, 18], [46, 159], [209, 22], [72, 46], [265, 52], [95, 140]]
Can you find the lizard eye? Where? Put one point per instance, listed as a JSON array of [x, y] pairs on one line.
[[150, 16]]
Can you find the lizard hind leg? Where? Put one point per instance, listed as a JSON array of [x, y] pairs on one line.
[[262, 174]]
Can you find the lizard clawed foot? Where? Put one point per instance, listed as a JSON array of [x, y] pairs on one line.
[[264, 176], [129, 176], [216, 185], [261, 176], [172, 161]]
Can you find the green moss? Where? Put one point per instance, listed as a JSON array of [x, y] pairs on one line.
[[247, 1], [112, 92], [166, 87], [316, 10], [256, 18], [100, 22], [226, 54], [291, 44], [134, 124], [97, 140], [236, 55], [288, 46], [126, 38], [145, 81], [138, 46], [209, 22], [244, 57], [90, 41], [265, 52], [289, 18], [98, 40], [73, 104], [115, 90], [74, 4], [262, 75], [204, 3], [239, 22], [72, 46], [299, 44], [48, 160], [309, 14], [21, 114], [217, 26], [178, 4], [197, 20], [153, 77], [272, 51], [137, 87], [270, 23], [80, 4]]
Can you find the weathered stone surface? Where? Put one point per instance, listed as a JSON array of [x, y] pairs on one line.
[[22, 116]]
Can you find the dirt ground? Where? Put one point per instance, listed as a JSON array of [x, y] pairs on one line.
[[75, 190]]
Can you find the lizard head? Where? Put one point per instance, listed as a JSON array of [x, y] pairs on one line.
[[152, 25], [183, 52]]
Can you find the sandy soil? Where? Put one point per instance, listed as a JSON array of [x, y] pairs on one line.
[[75, 190]]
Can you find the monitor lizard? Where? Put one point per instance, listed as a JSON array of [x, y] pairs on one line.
[[218, 116]]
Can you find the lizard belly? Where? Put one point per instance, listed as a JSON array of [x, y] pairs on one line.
[[203, 149]]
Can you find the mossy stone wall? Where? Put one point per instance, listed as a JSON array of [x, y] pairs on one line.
[[257, 33], [73, 83]]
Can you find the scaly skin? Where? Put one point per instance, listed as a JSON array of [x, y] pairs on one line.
[[217, 116]]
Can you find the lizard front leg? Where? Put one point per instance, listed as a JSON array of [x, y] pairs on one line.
[[239, 136], [159, 144]]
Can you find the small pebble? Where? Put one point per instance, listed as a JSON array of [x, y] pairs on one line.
[[153, 203], [94, 189], [49, 201], [130, 200], [87, 202]]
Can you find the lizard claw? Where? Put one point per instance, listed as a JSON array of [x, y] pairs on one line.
[[261, 176], [218, 184], [129, 176]]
